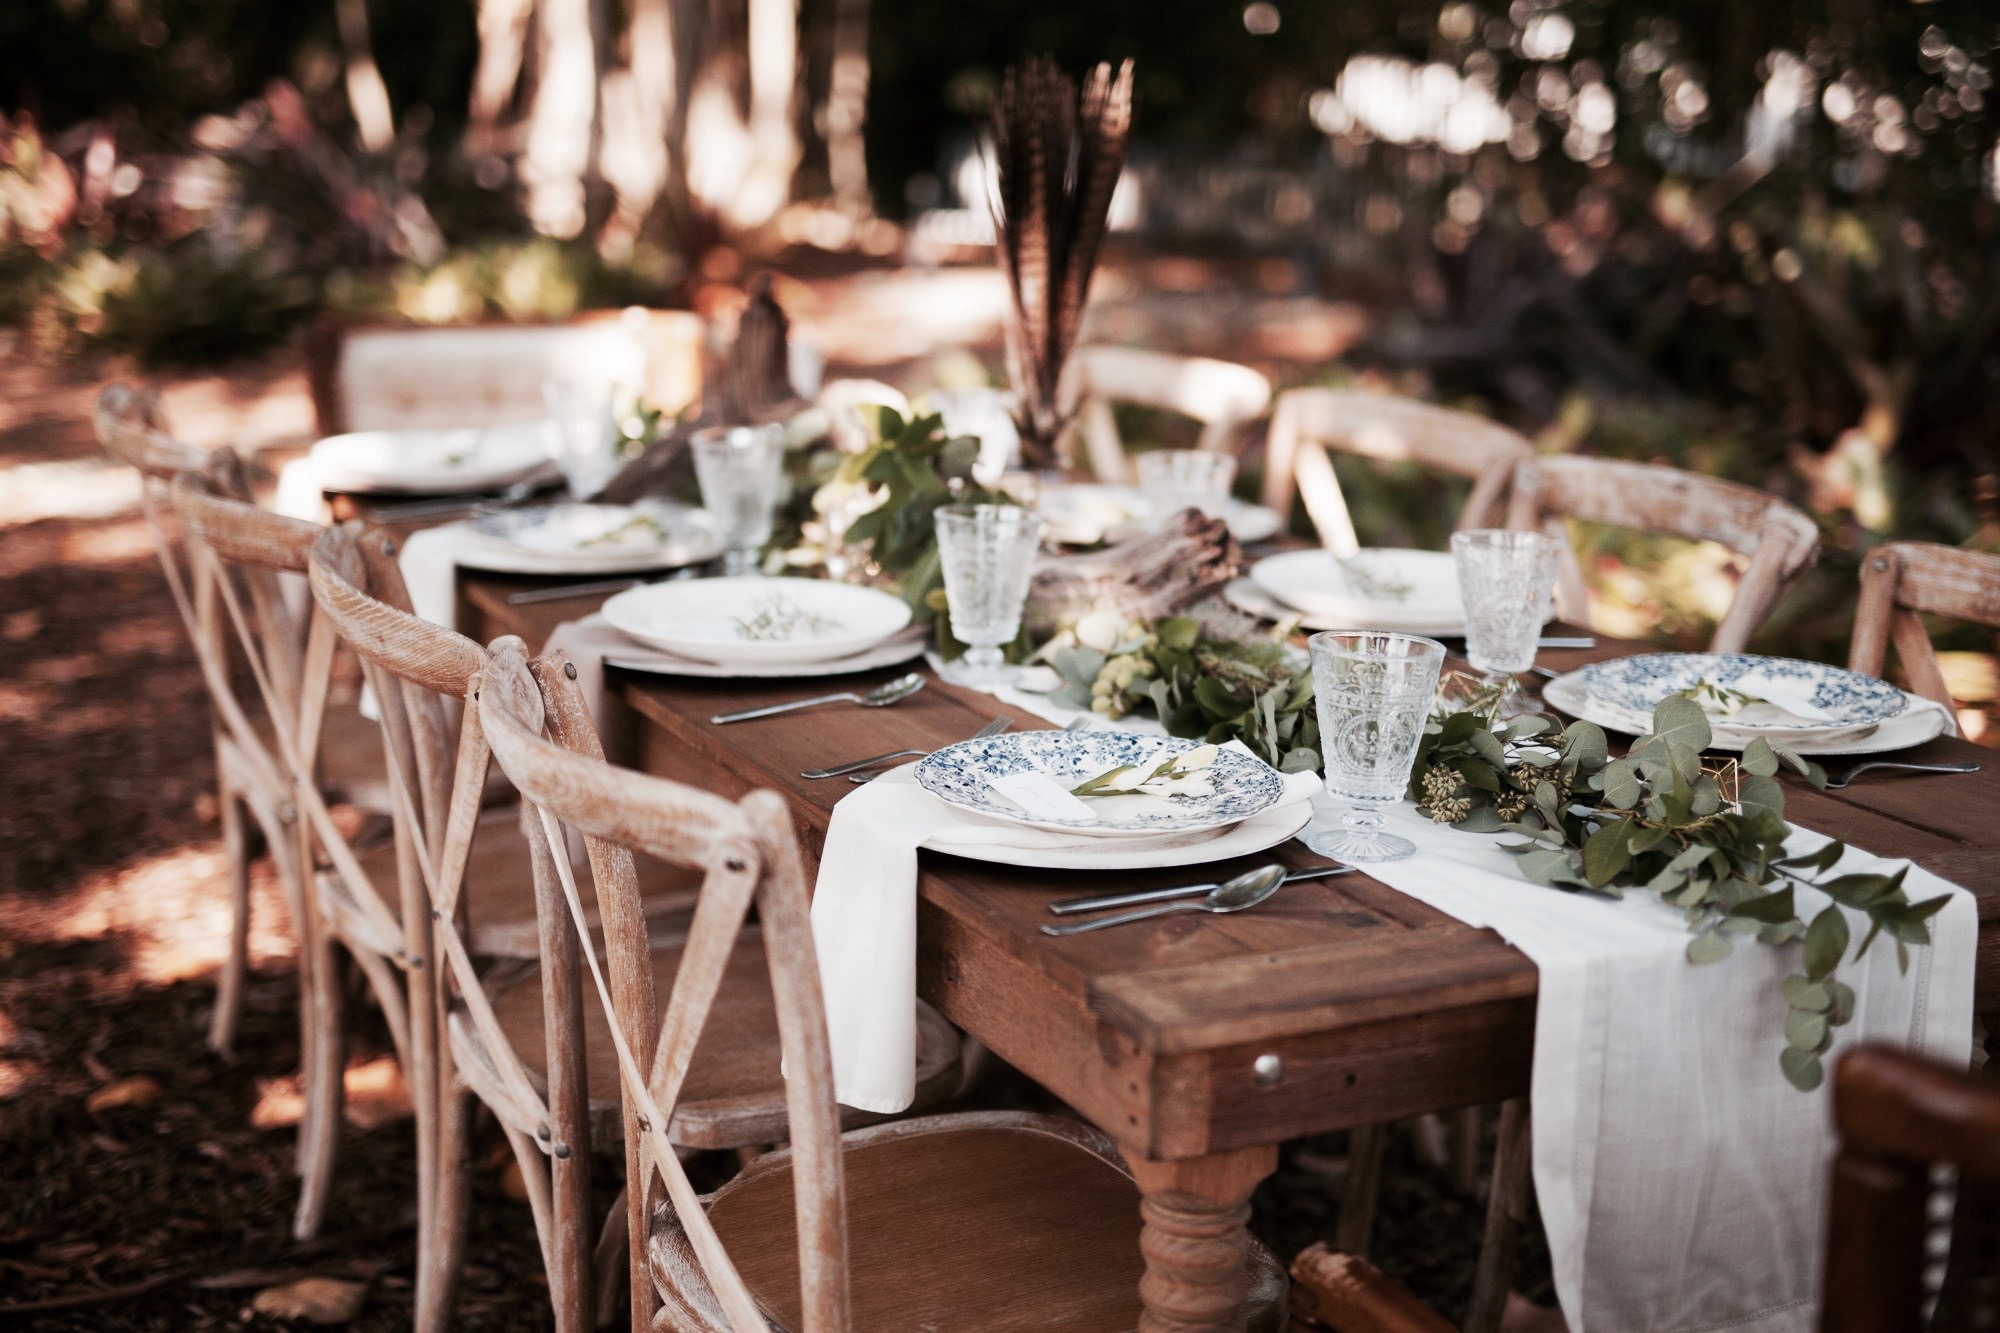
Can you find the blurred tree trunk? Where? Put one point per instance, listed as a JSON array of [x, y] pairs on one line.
[[562, 125], [367, 95], [773, 49], [503, 38], [847, 108]]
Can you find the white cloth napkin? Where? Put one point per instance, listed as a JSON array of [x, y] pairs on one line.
[[1806, 737], [1681, 1178], [430, 570], [864, 916]]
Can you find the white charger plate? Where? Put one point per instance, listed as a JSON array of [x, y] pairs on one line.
[[904, 647], [393, 462], [713, 620], [1317, 583], [959, 775], [1246, 596], [1919, 721], [569, 538], [1085, 513]]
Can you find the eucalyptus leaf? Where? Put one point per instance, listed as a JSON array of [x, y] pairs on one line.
[[1802, 1068], [1806, 1030], [1710, 946], [1759, 759], [1812, 996], [1678, 720], [1826, 941]]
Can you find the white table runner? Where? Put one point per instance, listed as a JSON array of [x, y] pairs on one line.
[[1682, 1180]]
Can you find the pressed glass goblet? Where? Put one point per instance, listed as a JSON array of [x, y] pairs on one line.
[[1177, 479], [988, 553], [741, 469], [1507, 581], [586, 431], [1374, 690]]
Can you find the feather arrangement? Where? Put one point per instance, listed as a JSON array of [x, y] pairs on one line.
[[1057, 155]]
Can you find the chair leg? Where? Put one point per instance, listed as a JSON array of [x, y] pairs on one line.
[[229, 987], [325, 1072], [441, 1242], [1462, 1150], [1365, 1146], [1506, 1210]]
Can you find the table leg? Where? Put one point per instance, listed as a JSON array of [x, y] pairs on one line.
[[1194, 1238]]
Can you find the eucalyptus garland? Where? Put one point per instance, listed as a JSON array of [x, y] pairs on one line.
[[1257, 691], [917, 467], [1709, 840]]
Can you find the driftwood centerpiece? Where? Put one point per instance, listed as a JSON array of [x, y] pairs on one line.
[[1146, 578]]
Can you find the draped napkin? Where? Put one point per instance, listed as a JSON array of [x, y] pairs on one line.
[[864, 917], [1682, 1180]]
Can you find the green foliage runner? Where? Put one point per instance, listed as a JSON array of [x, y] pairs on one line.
[[1708, 841]]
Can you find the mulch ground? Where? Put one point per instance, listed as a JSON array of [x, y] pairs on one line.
[[135, 1190]]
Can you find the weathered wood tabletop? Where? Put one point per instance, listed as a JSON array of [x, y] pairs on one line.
[[1200, 1043]]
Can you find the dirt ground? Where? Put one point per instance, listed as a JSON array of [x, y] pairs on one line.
[[145, 1182]]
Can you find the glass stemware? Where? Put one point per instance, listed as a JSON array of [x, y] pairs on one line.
[[741, 470], [1177, 479], [988, 554], [1374, 690], [586, 439], [1507, 581]]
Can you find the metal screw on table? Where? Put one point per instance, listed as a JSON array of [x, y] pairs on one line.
[[1267, 1070]]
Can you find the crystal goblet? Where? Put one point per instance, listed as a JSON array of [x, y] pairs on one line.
[[586, 436], [988, 553], [741, 471], [1177, 479], [1507, 581], [1374, 690]]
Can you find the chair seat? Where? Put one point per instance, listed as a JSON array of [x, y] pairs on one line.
[[500, 886], [735, 1096], [995, 1221]]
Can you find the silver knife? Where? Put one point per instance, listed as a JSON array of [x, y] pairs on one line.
[[1073, 905]]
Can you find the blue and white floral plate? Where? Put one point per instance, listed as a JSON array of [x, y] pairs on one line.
[[959, 775], [1807, 706]]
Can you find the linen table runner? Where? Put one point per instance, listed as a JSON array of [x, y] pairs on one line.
[[1682, 1180]]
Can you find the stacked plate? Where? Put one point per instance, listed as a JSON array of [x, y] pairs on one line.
[[1383, 588], [1805, 706], [434, 462], [569, 538], [1084, 514], [1245, 810], [748, 627]]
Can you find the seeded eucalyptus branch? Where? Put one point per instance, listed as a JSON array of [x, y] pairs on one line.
[[1709, 840]]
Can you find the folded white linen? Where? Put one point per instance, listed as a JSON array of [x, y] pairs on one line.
[[1681, 1178], [1805, 738], [430, 571], [864, 916]]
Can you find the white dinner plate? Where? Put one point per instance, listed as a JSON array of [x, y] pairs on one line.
[[746, 621], [1246, 596], [1916, 721], [1382, 588], [893, 651], [570, 538], [959, 775], [1085, 513], [1258, 833], [433, 461]]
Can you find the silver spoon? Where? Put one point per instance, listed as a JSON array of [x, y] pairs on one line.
[[902, 687], [1071, 906], [1835, 783], [1233, 895]]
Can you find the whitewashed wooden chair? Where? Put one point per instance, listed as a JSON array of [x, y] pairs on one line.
[[498, 1028], [1901, 582], [962, 1221], [1223, 396], [416, 378], [1309, 425], [1779, 540]]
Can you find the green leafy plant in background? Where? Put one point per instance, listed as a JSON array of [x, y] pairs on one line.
[[1257, 691], [1708, 841], [917, 468]]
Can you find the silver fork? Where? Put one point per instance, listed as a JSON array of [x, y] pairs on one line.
[[869, 775], [993, 728], [1835, 782]]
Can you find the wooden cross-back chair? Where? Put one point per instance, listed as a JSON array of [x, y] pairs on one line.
[[1779, 540], [1900, 1117], [517, 1039], [1309, 425], [1223, 396], [1903, 581], [939, 1222]]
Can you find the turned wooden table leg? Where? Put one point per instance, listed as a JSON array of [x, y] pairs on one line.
[[1194, 1238]]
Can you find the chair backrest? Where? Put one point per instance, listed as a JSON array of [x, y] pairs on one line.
[[1899, 1116], [1223, 396], [747, 853], [1902, 581], [404, 378], [132, 428], [1780, 541], [1308, 424]]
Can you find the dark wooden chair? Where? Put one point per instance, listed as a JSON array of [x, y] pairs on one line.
[[1900, 1117], [1903, 581], [985, 1220]]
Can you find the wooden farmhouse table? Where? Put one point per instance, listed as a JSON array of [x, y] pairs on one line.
[[1200, 1043]]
